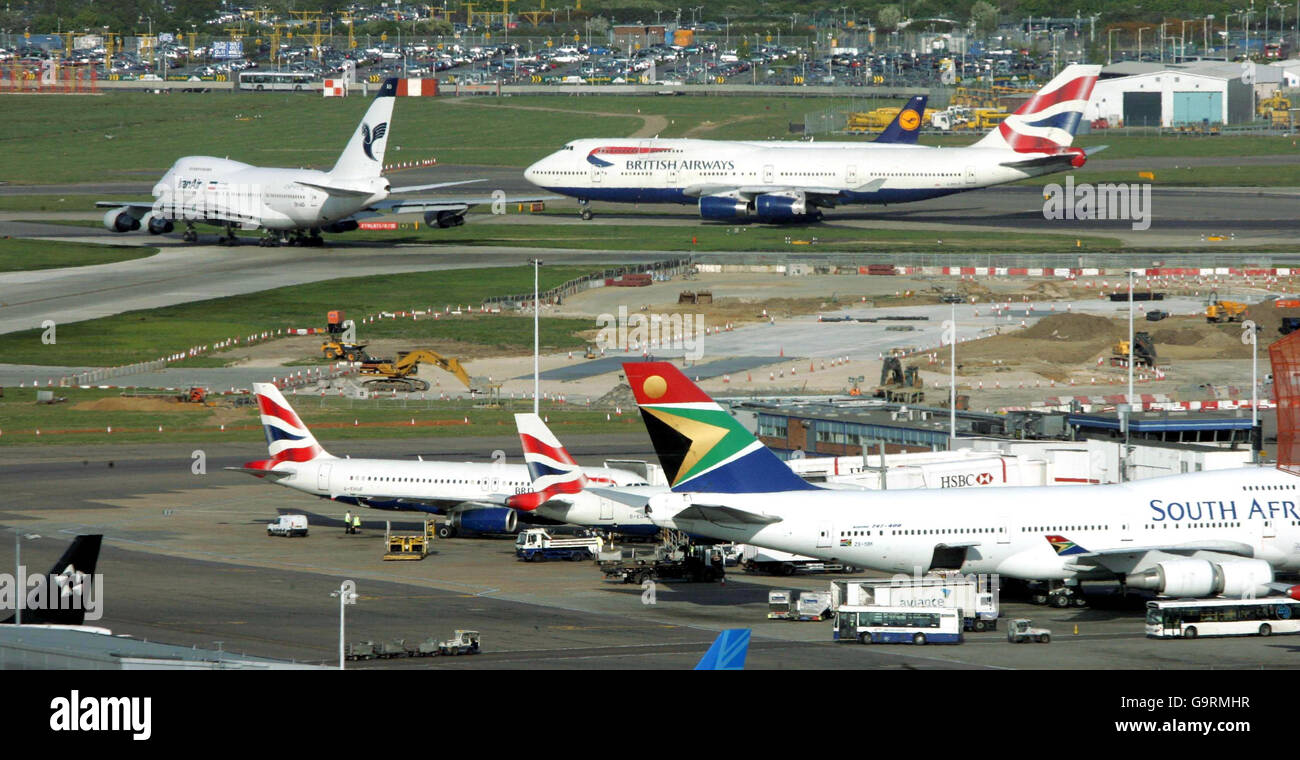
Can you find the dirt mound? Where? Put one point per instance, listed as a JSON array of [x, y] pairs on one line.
[[1073, 327], [1178, 336], [137, 404], [621, 396]]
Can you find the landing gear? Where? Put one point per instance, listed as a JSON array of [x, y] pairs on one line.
[[271, 240], [585, 213], [1059, 595], [229, 238], [190, 235]]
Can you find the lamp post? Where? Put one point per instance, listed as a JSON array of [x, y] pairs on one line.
[[1163, 38], [952, 381], [347, 594], [1250, 335], [537, 263], [1141, 29], [1110, 42]]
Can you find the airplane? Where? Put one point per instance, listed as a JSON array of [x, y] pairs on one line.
[[294, 206], [781, 182], [558, 487], [69, 574], [727, 651], [472, 495], [1223, 532]]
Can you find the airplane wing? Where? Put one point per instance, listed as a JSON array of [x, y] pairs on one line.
[[422, 188], [637, 500], [1133, 559], [255, 472], [420, 206], [723, 515], [143, 207]]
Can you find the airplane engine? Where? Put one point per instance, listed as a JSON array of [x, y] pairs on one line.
[[783, 207], [343, 225], [1078, 159], [157, 225], [486, 520], [722, 207], [120, 220], [444, 219], [1200, 578]]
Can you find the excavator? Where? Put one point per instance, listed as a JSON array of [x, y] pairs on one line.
[[899, 385], [342, 342], [1144, 351], [398, 374]]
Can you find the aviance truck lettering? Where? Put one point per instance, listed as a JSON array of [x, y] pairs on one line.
[[1221, 510]]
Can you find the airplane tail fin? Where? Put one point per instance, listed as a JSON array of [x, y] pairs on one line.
[[1046, 123], [728, 651], [550, 466], [700, 445], [906, 126], [364, 155], [70, 574], [287, 437]]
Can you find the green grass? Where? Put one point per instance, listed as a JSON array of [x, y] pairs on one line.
[[19, 255], [330, 419], [148, 334]]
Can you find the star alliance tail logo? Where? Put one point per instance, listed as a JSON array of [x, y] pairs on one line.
[[369, 138]]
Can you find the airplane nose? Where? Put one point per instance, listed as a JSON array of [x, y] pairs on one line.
[[530, 173]]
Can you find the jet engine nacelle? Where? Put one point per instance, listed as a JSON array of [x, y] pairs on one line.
[[157, 225], [1200, 578], [782, 207], [1077, 157], [121, 220], [444, 219], [343, 225], [486, 520], [722, 207]]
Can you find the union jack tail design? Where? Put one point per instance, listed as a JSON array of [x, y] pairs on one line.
[[1046, 122], [287, 438], [550, 466]]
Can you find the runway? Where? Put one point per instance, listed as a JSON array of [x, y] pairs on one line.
[[187, 561]]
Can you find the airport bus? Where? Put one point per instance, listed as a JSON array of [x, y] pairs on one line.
[[1190, 618], [275, 80], [898, 625]]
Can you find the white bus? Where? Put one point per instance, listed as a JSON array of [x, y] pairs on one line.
[[275, 80], [1190, 618], [898, 625]]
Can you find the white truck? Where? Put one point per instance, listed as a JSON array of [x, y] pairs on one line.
[[756, 559], [288, 525], [976, 598], [780, 605], [536, 545]]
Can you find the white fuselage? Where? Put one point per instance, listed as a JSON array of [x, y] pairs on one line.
[[208, 189], [1006, 528], [683, 170], [398, 484]]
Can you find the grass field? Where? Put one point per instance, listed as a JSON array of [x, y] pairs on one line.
[[331, 420], [137, 136], [148, 334], [18, 255], [60, 202]]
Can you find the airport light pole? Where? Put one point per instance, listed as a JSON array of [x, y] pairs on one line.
[[1110, 40], [537, 263], [347, 594], [1250, 334], [1140, 30], [952, 381]]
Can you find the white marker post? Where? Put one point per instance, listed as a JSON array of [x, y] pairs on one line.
[[347, 594]]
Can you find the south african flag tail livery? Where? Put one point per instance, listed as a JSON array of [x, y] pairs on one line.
[[700, 445]]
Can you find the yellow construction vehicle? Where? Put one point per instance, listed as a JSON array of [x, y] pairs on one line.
[[342, 342], [1274, 109], [899, 385], [397, 374], [988, 118], [1144, 352], [1224, 311]]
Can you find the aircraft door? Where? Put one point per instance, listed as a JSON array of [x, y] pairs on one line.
[[606, 509], [824, 535], [851, 175], [323, 477], [672, 176], [596, 174], [767, 174], [496, 485], [970, 175], [1003, 529]]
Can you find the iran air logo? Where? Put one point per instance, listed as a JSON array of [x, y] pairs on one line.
[[369, 138], [909, 120]]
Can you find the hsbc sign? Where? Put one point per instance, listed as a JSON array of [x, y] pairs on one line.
[[965, 480]]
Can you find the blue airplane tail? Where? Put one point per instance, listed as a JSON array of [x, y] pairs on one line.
[[906, 126], [728, 651]]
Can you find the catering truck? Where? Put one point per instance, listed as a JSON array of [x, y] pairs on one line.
[[975, 597]]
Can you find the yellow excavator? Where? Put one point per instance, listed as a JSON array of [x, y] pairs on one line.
[[397, 374]]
